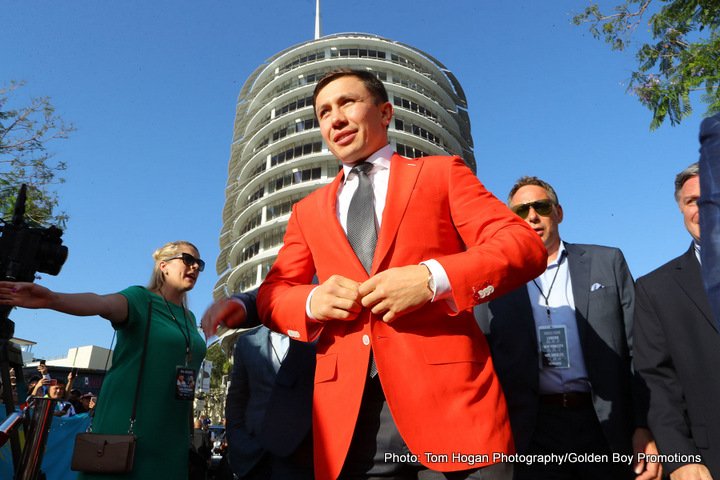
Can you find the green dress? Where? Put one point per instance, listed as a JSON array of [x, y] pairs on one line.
[[162, 426]]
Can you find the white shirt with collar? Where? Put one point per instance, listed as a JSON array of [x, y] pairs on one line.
[[379, 175]]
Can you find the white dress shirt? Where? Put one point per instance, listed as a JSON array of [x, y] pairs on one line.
[[379, 176]]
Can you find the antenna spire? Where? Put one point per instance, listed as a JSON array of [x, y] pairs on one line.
[[318, 34]]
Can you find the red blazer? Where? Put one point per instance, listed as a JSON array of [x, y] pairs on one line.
[[434, 364]]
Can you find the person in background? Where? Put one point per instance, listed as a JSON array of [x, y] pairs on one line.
[[63, 408], [677, 351], [174, 348], [75, 398], [269, 407], [561, 345]]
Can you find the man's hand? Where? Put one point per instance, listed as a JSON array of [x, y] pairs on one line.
[[397, 291], [226, 311], [337, 298], [691, 471], [644, 442]]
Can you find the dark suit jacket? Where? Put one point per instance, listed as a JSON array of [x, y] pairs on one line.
[[265, 411], [604, 319], [678, 354], [710, 209]]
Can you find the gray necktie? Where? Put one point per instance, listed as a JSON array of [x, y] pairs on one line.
[[361, 229]]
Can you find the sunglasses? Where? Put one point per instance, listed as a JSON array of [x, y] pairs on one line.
[[189, 261], [541, 207]]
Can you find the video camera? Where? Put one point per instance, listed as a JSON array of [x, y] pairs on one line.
[[25, 250]]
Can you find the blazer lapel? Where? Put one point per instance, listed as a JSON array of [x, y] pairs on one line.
[[579, 267], [689, 278], [264, 352], [404, 173]]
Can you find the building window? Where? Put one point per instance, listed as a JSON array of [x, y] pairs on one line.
[[273, 238], [250, 251], [418, 131], [295, 63], [247, 280], [255, 221], [294, 105], [294, 127], [290, 153], [410, 152], [282, 207], [358, 53], [414, 107], [258, 194]]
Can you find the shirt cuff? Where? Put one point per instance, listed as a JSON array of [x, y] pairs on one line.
[[443, 289], [307, 304]]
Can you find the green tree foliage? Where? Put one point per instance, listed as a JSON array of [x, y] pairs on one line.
[[220, 364], [683, 56], [25, 132]]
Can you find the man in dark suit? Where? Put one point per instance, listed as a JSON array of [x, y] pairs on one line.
[[269, 407], [710, 209], [678, 352], [562, 348]]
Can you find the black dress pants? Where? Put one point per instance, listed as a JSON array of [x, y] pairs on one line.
[[378, 452], [565, 431]]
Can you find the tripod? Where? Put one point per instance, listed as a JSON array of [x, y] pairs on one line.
[[26, 461]]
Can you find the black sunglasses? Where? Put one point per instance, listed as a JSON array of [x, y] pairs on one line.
[[189, 261], [541, 207]]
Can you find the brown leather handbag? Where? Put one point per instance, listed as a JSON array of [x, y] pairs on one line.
[[103, 453], [98, 453]]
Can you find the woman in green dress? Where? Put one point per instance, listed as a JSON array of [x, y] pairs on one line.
[[174, 348]]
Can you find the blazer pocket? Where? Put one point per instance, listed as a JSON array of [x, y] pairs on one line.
[[326, 368], [458, 350]]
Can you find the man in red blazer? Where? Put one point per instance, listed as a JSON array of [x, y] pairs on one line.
[[404, 384]]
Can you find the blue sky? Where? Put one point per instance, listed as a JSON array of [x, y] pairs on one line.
[[152, 87]]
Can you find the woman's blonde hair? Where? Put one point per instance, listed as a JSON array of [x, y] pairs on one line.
[[167, 251]]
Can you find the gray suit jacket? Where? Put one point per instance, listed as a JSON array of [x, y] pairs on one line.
[[604, 320], [267, 411]]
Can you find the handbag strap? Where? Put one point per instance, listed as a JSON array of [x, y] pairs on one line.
[[142, 368]]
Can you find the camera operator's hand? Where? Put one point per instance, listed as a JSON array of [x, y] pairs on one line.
[[28, 295], [113, 307]]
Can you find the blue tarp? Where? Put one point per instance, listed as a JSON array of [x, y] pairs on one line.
[[60, 442]]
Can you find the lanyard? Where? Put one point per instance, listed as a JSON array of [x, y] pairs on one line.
[[552, 284], [185, 334]]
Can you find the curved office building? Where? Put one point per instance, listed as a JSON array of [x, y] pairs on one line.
[[278, 155]]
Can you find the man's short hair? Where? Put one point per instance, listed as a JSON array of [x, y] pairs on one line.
[[693, 170], [369, 79], [525, 181]]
